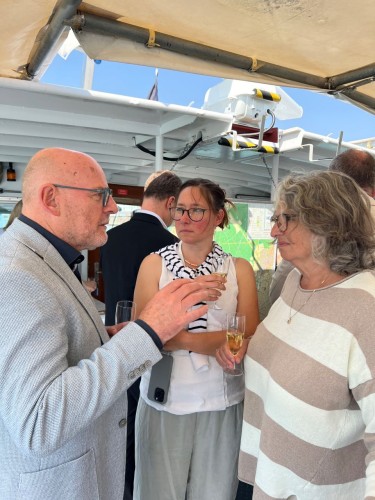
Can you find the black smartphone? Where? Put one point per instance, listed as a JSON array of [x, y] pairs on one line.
[[160, 379]]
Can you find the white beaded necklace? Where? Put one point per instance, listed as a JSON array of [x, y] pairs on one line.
[[291, 316]]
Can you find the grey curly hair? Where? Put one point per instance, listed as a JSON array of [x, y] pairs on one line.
[[337, 212]]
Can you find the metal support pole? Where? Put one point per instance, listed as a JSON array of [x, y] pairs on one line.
[[261, 132], [159, 153], [88, 73], [339, 143]]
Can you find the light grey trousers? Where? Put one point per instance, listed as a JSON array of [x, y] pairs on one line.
[[186, 457]]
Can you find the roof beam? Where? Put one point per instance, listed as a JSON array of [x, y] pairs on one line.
[[48, 37], [91, 23]]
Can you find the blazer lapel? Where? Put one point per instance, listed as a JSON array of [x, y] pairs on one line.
[[77, 289], [48, 253]]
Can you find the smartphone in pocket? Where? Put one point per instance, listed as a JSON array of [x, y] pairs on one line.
[[160, 379]]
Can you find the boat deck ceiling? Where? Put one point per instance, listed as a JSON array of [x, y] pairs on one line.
[[314, 44], [108, 127]]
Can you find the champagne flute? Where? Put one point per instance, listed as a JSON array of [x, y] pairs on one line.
[[125, 311], [221, 270], [235, 334]]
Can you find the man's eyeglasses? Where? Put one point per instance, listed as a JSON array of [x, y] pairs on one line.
[[195, 214], [105, 192], [282, 221]]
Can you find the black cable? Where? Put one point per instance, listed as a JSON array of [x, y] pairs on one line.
[[273, 119], [152, 153], [269, 171], [8, 191], [253, 134], [244, 196]]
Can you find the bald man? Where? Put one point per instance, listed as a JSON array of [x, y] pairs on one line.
[[63, 379]]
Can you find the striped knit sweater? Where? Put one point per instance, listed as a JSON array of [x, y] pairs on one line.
[[309, 417]]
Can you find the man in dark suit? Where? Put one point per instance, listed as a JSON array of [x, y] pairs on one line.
[[121, 257]]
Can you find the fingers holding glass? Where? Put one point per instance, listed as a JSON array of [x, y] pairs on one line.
[[235, 327], [221, 267]]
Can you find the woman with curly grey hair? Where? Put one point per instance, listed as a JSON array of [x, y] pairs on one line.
[[309, 416]]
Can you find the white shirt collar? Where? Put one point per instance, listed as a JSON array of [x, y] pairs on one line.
[[141, 211]]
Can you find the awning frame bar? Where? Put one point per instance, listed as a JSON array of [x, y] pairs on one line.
[[91, 23], [65, 14]]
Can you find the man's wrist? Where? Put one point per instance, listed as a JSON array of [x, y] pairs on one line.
[[151, 332]]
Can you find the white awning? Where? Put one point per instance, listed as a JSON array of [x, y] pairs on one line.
[[315, 44]]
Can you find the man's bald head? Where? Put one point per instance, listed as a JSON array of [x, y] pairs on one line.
[[77, 216], [56, 166], [357, 164]]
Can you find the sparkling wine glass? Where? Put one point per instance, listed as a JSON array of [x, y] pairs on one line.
[[125, 311], [221, 266], [235, 326]]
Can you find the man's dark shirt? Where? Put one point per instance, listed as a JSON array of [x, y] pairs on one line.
[[71, 256]]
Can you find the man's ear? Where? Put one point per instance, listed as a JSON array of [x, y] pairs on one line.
[[49, 199], [170, 201]]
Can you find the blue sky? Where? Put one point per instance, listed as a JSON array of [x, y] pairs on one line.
[[321, 114]]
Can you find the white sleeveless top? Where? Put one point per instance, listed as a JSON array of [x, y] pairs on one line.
[[198, 383]]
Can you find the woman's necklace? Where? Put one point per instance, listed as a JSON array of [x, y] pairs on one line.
[[190, 264], [291, 316]]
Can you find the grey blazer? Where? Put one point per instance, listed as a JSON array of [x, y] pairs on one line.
[[62, 394]]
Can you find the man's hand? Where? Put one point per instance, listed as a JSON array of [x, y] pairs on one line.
[[112, 330], [168, 311]]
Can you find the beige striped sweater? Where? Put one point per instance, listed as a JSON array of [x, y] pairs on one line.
[[309, 417]]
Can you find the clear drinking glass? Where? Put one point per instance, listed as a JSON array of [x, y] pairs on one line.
[[221, 265], [235, 326], [125, 311]]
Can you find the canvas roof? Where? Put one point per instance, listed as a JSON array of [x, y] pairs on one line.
[[321, 44]]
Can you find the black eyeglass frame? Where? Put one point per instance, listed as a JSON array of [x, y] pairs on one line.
[[282, 225], [105, 192], [189, 211]]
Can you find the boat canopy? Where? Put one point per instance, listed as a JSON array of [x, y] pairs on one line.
[[313, 44]]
